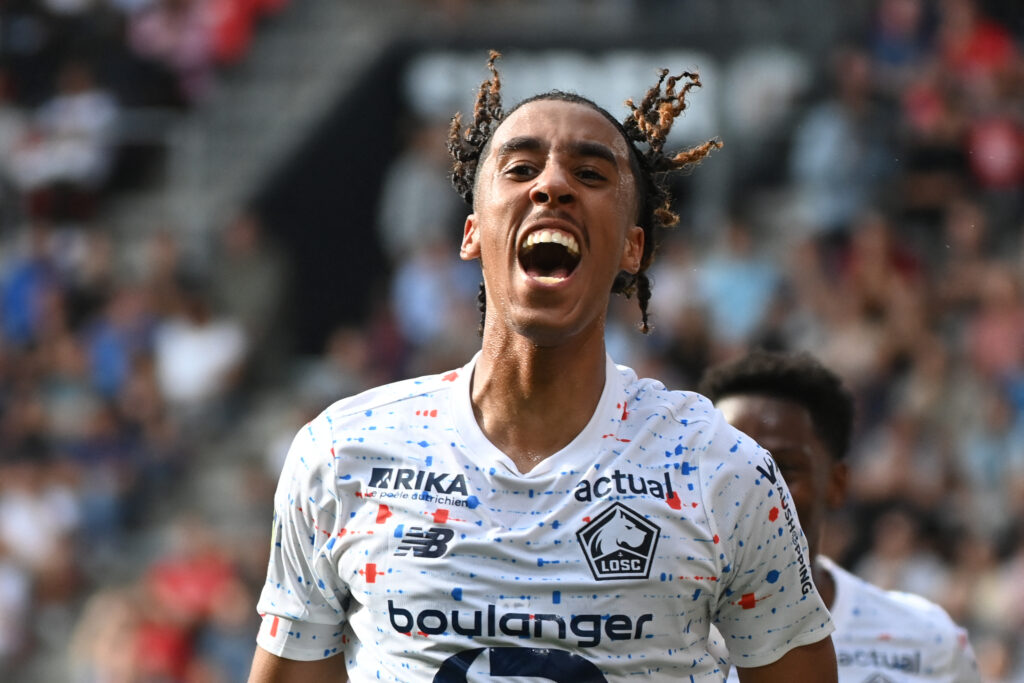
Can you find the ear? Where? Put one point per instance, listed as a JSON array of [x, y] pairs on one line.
[[633, 250], [470, 240], [837, 482]]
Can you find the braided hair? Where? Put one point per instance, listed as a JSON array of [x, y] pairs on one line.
[[645, 131]]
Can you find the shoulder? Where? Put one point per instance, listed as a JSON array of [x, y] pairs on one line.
[[382, 398], [896, 614], [687, 424], [650, 399], [372, 414]]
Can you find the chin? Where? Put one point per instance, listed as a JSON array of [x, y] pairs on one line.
[[550, 329]]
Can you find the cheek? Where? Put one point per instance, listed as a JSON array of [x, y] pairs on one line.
[[803, 496]]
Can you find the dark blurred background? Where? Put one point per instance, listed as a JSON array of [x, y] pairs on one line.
[[219, 216]]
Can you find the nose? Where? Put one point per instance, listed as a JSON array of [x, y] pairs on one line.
[[552, 186]]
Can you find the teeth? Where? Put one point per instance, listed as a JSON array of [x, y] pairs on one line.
[[557, 237], [548, 279]]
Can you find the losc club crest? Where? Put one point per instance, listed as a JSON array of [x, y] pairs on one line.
[[619, 544]]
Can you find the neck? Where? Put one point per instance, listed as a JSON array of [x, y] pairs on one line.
[[825, 584], [533, 401]]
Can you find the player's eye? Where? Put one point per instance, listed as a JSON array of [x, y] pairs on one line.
[[590, 174], [521, 171]]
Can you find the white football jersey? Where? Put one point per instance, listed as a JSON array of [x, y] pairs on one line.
[[893, 637], [405, 542]]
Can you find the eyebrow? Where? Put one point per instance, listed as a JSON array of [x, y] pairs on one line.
[[519, 144], [582, 148]]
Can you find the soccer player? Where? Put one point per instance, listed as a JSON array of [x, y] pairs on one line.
[[801, 412], [540, 512]]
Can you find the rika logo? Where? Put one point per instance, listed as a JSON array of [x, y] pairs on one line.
[[430, 544], [619, 544], [418, 480]]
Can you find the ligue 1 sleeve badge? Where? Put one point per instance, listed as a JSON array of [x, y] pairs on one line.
[[619, 544]]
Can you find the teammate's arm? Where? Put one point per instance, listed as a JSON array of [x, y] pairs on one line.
[[814, 663], [269, 668]]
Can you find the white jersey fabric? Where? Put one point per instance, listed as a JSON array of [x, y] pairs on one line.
[[408, 543], [893, 637]]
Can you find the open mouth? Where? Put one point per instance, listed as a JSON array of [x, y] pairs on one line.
[[549, 256]]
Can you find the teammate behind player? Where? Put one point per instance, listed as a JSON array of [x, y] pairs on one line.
[[800, 411], [540, 512]]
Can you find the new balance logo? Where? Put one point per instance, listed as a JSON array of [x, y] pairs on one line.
[[431, 543]]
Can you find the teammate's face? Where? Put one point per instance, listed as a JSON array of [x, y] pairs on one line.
[[553, 221], [816, 481]]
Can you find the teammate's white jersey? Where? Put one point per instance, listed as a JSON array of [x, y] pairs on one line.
[[407, 542], [893, 637]]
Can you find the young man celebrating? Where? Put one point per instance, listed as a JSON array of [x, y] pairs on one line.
[[800, 411], [540, 512]]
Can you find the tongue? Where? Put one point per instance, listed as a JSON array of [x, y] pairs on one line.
[[559, 273]]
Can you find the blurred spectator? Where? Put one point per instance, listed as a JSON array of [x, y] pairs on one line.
[[224, 640], [344, 369], [65, 390], [15, 602], [117, 338], [900, 558], [901, 460], [63, 163], [899, 42], [840, 159], [876, 266], [13, 129], [737, 282], [39, 515], [973, 47], [31, 279], [960, 262], [89, 272], [933, 161], [176, 33], [976, 592], [199, 355], [417, 204], [992, 457], [251, 285], [160, 270], [995, 335], [431, 286], [103, 642]]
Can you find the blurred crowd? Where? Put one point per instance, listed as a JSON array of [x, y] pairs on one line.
[[77, 78], [878, 223]]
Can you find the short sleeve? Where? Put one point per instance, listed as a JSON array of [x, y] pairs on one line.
[[767, 602], [302, 602], [950, 643], [965, 665]]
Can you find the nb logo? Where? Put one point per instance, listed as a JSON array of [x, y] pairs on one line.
[[431, 543]]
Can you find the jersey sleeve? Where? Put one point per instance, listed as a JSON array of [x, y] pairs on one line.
[[302, 602], [946, 643], [965, 665], [767, 603]]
